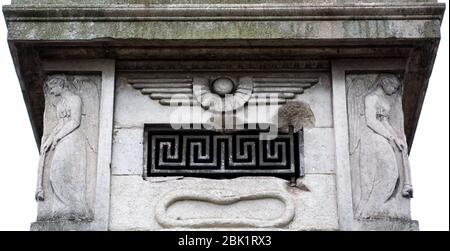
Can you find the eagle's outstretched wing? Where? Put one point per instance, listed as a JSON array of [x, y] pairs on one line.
[[166, 90], [251, 90], [279, 89]]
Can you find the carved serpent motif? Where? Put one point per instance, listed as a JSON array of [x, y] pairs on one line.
[[222, 197]]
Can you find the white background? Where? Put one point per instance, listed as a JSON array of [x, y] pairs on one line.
[[429, 154]]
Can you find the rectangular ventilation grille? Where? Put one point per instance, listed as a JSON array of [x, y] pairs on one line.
[[205, 153]]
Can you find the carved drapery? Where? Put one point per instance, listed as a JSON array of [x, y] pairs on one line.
[[381, 180], [69, 148]]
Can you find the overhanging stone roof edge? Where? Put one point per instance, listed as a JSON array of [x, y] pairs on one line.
[[224, 21], [230, 30], [135, 12]]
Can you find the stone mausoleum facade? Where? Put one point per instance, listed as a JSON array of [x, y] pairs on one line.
[[224, 114]]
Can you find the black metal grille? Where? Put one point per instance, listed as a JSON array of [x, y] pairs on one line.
[[195, 152]]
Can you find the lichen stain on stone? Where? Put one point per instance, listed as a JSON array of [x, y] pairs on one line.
[[368, 29], [430, 28]]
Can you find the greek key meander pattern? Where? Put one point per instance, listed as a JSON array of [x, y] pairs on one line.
[[208, 153]]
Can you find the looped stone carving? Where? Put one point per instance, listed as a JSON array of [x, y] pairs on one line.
[[219, 96], [222, 197]]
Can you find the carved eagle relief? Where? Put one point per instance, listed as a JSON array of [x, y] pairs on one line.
[[222, 93]]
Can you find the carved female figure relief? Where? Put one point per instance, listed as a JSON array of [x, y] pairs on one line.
[[378, 149], [62, 177]]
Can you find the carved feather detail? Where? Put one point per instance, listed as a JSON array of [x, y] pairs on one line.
[[249, 90], [279, 89], [166, 90]]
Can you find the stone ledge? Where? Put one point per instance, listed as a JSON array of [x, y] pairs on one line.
[[386, 225], [108, 2], [63, 225], [202, 12], [368, 30]]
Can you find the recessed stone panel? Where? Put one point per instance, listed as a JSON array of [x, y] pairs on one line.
[[134, 202], [319, 151], [127, 151]]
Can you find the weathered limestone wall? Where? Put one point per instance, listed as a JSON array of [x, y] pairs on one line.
[[134, 199], [206, 1], [340, 42]]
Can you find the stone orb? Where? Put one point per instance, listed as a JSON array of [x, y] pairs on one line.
[[222, 86]]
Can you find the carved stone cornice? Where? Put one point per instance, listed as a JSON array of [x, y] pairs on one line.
[[224, 21], [203, 12]]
